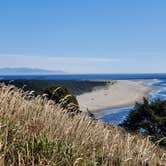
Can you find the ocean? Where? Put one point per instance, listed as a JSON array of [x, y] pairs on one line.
[[116, 115], [85, 76]]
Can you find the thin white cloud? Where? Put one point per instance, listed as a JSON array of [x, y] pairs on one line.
[[69, 64]]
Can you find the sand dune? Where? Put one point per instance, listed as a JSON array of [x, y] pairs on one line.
[[121, 93]]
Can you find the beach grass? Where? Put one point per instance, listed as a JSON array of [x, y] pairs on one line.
[[35, 131]]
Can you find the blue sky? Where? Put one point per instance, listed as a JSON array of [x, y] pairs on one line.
[[84, 36]]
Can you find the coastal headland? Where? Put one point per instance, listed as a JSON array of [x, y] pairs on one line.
[[93, 95]]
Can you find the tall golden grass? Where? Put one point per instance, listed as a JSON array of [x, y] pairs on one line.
[[35, 131]]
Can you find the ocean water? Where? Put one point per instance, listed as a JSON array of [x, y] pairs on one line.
[[117, 115], [85, 76]]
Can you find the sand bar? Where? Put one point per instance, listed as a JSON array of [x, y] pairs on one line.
[[121, 93]]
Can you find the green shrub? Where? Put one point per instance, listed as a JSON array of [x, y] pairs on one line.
[[62, 96], [149, 119]]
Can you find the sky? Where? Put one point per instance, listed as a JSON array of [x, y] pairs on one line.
[[84, 36]]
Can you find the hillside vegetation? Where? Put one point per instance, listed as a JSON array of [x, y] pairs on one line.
[[35, 131], [75, 87]]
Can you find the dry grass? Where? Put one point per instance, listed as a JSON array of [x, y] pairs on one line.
[[34, 131]]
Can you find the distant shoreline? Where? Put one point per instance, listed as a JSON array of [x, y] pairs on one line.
[[122, 93]]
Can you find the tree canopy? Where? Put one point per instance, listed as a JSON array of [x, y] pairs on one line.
[[149, 118]]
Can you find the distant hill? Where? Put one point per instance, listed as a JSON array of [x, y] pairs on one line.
[[28, 71]]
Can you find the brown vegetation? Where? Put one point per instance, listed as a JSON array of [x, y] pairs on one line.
[[34, 131]]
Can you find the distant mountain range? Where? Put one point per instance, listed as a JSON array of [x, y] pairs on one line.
[[28, 71]]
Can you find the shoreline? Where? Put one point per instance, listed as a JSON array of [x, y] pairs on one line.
[[114, 96]]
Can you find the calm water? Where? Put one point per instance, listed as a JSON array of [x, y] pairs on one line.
[[116, 115], [87, 76]]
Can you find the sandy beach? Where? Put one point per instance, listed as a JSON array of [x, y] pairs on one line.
[[121, 93]]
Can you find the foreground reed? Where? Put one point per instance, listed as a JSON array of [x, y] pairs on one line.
[[35, 131]]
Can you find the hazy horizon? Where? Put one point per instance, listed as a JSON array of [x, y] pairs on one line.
[[42, 71]]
